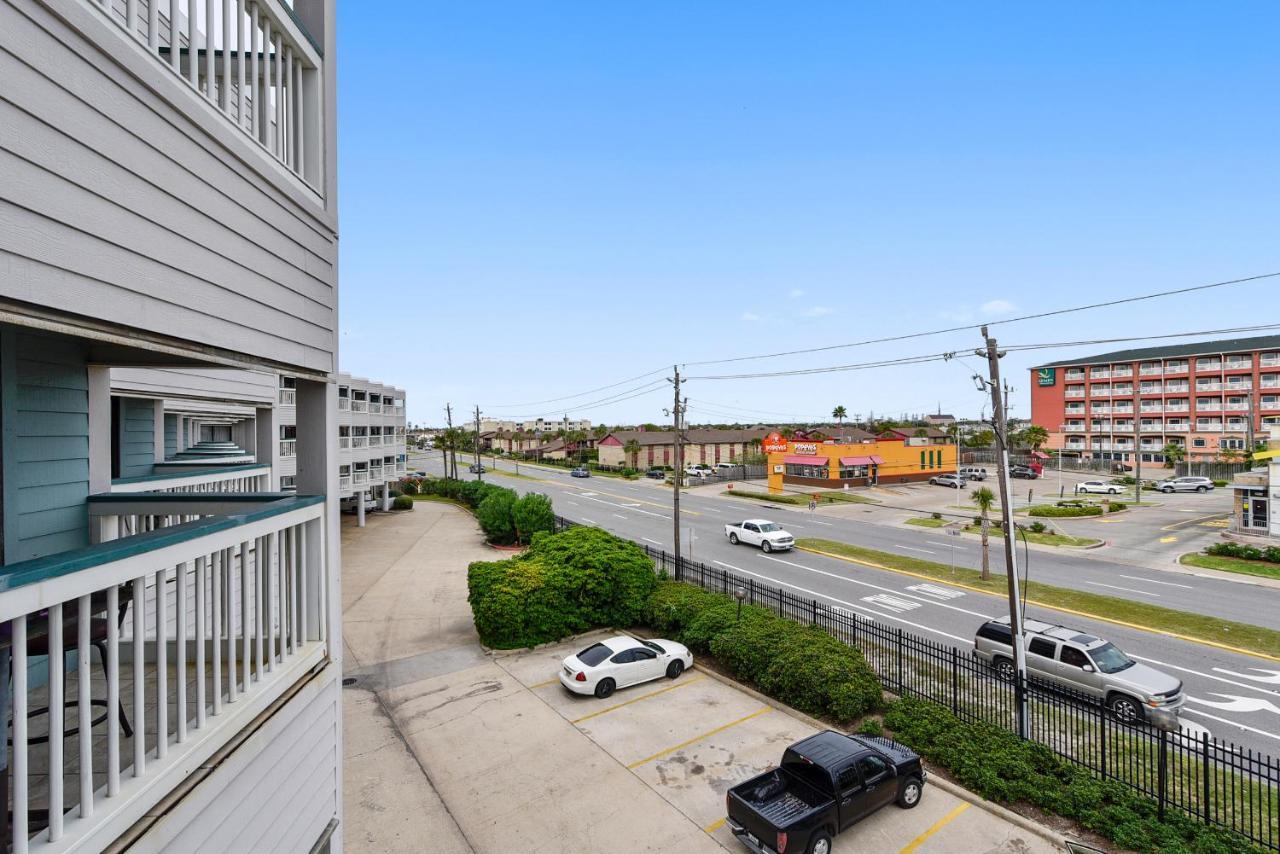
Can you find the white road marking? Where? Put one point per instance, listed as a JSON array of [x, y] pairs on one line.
[[945, 545], [914, 549], [647, 540], [854, 605], [935, 590], [816, 522], [1272, 677], [591, 497], [1206, 675], [1125, 589], [574, 503], [892, 603], [619, 516], [1231, 723], [588, 521], [1153, 581], [1243, 705]]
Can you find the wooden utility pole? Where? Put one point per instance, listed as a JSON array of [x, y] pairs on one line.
[[479, 470], [1001, 427], [677, 423], [450, 454]]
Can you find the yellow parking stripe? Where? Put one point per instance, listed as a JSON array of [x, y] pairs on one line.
[[544, 684], [637, 699], [661, 753], [937, 825], [714, 826]]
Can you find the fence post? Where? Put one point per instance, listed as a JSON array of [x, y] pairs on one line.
[[813, 621], [855, 629], [1102, 728], [1204, 767], [751, 591], [1163, 783], [900, 685], [955, 681]]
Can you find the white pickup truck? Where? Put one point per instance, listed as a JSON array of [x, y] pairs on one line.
[[769, 536]]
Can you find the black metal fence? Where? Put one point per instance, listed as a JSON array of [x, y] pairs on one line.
[[1214, 781]]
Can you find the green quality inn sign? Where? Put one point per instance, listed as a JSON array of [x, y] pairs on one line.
[[1046, 376]]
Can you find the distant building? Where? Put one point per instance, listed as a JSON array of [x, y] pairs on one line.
[[657, 447], [940, 420], [537, 425], [890, 458], [1257, 493]]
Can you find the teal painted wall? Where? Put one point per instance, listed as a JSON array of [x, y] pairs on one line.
[[137, 437], [170, 436], [44, 391]]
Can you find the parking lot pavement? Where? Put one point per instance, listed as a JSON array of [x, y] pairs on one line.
[[691, 739]]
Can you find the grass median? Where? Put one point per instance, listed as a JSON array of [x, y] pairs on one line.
[[1260, 568], [1153, 618], [1044, 538], [823, 497]]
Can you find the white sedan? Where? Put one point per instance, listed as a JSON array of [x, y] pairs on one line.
[[620, 661], [1099, 486]]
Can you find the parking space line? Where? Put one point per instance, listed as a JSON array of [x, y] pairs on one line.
[[937, 825], [636, 699], [544, 684], [661, 753], [714, 826]]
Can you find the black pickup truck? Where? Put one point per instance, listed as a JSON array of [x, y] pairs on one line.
[[825, 783]]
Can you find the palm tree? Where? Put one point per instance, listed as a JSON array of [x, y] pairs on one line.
[[1173, 453], [632, 451], [1035, 436], [984, 498], [839, 414]]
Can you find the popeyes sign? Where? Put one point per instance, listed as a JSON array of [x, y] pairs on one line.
[[774, 444]]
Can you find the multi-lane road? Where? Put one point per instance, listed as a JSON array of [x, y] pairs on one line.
[[1234, 695]]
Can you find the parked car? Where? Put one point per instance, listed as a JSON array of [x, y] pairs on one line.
[[349, 505], [1185, 484], [825, 784], [477, 468], [620, 661], [1121, 468], [1023, 472], [1132, 691], [580, 471], [973, 473], [769, 536], [1100, 486], [954, 481], [656, 474], [700, 469], [721, 468]]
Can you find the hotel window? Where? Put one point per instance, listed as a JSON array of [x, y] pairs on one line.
[[847, 472], [1197, 443], [287, 482]]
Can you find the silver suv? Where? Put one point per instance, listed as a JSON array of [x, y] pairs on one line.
[[1185, 484], [1080, 661]]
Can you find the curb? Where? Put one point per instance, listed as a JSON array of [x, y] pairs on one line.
[[935, 778]]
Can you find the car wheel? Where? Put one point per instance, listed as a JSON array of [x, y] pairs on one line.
[[733, 538], [674, 669], [1166, 489], [765, 547], [909, 797], [604, 688], [1125, 709], [1005, 669], [1202, 489], [820, 843], [1114, 491]]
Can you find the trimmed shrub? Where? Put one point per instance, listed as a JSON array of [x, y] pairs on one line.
[[1117, 506], [402, 502], [673, 606], [1243, 551], [408, 487], [935, 515], [566, 583], [495, 517], [1037, 527], [1220, 483], [532, 514], [1056, 511]]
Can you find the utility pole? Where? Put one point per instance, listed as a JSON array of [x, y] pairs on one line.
[[677, 422], [450, 457], [479, 470], [1000, 424]]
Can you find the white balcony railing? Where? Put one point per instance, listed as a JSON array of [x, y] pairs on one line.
[[1177, 388], [1175, 368], [1177, 407], [1270, 382], [1122, 389], [360, 479], [359, 406], [273, 97], [288, 447], [1150, 370], [344, 483], [1074, 376], [359, 441], [375, 407], [344, 443], [1099, 374], [344, 404], [1125, 371], [1100, 391], [171, 477], [1074, 446], [1239, 364], [1269, 360], [1269, 403], [204, 626], [375, 441], [288, 396], [1151, 407], [1208, 428], [1237, 407], [1208, 366]]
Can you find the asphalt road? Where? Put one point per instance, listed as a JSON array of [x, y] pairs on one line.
[[1233, 695]]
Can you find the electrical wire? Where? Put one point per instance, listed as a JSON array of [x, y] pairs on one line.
[[628, 394], [1007, 320], [572, 396]]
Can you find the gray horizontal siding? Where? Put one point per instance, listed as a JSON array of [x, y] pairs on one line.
[[44, 383], [227, 385], [170, 436], [118, 203], [137, 437]]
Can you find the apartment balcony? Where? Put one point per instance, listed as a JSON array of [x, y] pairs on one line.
[[358, 442], [359, 406], [1125, 371], [1269, 403], [1074, 446], [1178, 388], [1122, 390], [1215, 406], [1151, 426], [250, 477], [1238, 365], [1177, 426], [359, 479], [1100, 374], [1073, 376], [1100, 392], [1270, 382], [1152, 446], [1269, 360], [344, 484], [1100, 409], [1177, 407], [375, 441], [344, 404], [375, 408], [1237, 407], [1170, 369], [402, 466], [1208, 428], [1123, 408], [288, 397], [1151, 371], [203, 626], [288, 447], [375, 473], [1238, 387], [1151, 407], [344, 443]]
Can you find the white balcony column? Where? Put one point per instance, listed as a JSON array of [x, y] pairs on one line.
[[317, 458], [159, 431], [99, 377], [245, 434], [386, 497], [266, 440], [360, 508]]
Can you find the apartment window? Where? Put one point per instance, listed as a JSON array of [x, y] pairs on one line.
[[388, 401], [344, 391], [344, 471], [287, 481], [288, 382], [922, 465], [288, 431], [362, 466], [344, 430], [359, 394], [375, 431], [1231, 444], [1197, 443]]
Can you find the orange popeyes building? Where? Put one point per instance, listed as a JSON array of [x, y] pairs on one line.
[[892, 457]]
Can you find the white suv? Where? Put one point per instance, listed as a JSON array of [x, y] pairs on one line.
[[1185, 484]]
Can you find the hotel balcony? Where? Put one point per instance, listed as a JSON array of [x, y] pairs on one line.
[[1269, 360], [1073, 376], [375, 407], [1151, 407], [288, 447], [1237, 407], [1174, 369], [1177, 388], [1150, 371], [375, 441], [358, 442], [288, 397], [1100, 391], [1205, 365], [1235, 364], [1100, 409], [1122, 371], [1076, 391], [1099, 374], [1269, 403], [1075, 446]]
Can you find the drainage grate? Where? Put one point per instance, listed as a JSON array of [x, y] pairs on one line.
[[348, 681]]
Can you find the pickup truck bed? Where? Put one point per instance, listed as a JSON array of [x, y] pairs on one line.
[[779, 800]]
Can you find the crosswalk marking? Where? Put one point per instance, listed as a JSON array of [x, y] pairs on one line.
[[935, 590], [892, 603]]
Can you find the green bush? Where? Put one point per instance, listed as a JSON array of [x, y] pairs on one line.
[[495, 516], [1220, 483], [802, 666], [1037, 527], [564, 584], [995, 764], [532, 514], [1242, 551], [1057, 511], [935, 516], [1116, 506], [408, 487], [402, 502], [871, 726]]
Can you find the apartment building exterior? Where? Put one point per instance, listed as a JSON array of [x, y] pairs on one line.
[[1209, 398], [168, 187], [536, 426]]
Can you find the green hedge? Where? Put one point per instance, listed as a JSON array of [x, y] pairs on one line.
[[504, 516], [1049, 510], [802, 666], [402, 502], [564, 584], [1269, 554], [995, 764]]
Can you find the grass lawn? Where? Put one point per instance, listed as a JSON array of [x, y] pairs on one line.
[[835, 496], [1141, 614], [1232, 564], [1047, 538]]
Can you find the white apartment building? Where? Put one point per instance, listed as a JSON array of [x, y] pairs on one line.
[[537, 425], [168, 190], [370, 436]]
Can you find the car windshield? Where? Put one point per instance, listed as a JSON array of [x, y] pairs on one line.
[[653, 646], [769, 527], [594, 654], [1109, 659]]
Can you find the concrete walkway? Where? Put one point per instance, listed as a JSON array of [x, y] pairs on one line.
[[445, 750]]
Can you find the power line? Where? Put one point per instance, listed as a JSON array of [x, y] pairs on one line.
[[973, 326], [628, 394], [572, 396]]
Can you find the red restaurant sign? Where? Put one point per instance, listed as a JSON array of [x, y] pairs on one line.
[[774, 444]]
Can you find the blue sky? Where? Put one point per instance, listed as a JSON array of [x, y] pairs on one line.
[[541, 199]]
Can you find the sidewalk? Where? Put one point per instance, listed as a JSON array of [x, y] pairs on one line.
[[449, 750]]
